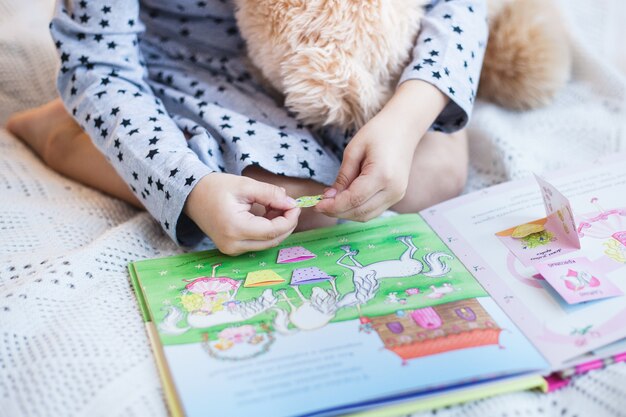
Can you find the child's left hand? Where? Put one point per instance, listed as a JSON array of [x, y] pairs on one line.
[[374, 174]]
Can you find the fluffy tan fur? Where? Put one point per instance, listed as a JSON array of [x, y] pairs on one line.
[[337, 62], [528, 58]]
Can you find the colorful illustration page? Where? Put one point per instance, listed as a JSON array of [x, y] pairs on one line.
[[330, 319], [548, 311]]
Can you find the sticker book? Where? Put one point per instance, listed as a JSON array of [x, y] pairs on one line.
[[514, 287]]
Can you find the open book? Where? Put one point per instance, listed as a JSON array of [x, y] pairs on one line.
[[514, 287]]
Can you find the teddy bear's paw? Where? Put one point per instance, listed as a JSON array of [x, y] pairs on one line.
[[528, 56]]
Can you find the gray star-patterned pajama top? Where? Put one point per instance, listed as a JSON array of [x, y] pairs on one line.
[[163, 90]]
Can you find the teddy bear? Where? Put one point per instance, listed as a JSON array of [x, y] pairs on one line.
[[337, 62]]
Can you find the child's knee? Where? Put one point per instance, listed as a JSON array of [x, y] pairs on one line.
[[439, 172], [453, 176], [450, 164], [449, 183]]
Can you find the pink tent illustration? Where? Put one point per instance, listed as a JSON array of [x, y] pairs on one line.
[[309, 275], [262, 278], [294, 254]]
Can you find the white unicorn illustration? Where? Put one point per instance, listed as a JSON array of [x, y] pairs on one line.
[[235, 312], [366, 278], [311, 314], [322, 306]]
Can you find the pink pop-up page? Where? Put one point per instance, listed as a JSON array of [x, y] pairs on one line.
[[577, 280], [549, 237], [469, 224]]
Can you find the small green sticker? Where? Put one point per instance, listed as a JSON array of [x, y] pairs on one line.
[[308, 200]]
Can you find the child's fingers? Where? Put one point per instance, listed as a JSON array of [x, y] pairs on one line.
[[272, 214], [243, 246], [262, 229], [349, 170], [369, 210], [257, 245], [361, 190], [267, 195]]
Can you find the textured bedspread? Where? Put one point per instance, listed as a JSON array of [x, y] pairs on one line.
[[72, 342]]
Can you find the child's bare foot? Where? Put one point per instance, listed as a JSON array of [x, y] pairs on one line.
[[37, 127], [62, 145]]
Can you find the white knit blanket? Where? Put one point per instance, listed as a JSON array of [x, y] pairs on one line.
[[72, 342]]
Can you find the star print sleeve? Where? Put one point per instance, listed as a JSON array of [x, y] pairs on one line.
[[102, 83], [448, 54]]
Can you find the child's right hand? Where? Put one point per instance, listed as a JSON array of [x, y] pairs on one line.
[[222, 207]]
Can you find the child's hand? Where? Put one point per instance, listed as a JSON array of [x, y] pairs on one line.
[[377, 162], [222, 207], [374, 173]]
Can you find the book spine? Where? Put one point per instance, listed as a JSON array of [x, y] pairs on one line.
[[556, 382], [472, 393], [171, 395], [143, 307]]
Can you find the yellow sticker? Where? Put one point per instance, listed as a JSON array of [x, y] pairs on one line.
[[308, 200], [524, 230]]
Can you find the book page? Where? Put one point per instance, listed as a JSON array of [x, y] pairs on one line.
[[546, 309], [331, 319]]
